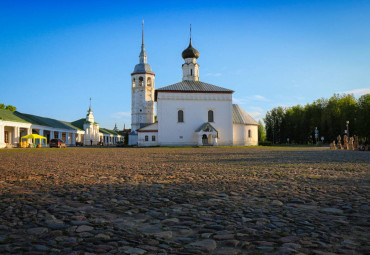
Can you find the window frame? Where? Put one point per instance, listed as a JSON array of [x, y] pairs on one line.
[[180, 118], [146, 138], [213, 115]]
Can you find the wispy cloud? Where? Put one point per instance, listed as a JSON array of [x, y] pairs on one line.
[[119, 115], [255, 114], [213, 74], [358, 92], [260, 98]]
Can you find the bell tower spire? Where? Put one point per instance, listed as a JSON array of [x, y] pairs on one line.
[[142, 90], [143, 56], [190, 69]]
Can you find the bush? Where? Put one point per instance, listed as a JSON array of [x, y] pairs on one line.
[[265, 143]]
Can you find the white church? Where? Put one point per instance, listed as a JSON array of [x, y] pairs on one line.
[[189, 112]]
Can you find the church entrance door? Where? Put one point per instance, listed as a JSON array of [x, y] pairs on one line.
[[205, 140]]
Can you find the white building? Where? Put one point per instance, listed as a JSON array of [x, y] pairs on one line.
[[189, 112], [14, 125]]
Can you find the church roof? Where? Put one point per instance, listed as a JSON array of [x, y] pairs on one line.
[[149, 128], [108, 131], [194, 86], [142, 68], [241, 117]]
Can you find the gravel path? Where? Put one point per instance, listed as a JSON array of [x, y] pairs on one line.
[[257, 200]]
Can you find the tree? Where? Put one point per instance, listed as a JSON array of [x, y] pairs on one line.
[[2, 106], [10, 108], [273, 120], [363, 119], [261, 132]]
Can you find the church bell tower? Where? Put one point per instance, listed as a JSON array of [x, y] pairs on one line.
[[142, 91]]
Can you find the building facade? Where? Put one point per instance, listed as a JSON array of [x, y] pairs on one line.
[[85, 131], [192, 112]]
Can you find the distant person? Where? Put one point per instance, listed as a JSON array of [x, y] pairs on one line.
[[90, 142]]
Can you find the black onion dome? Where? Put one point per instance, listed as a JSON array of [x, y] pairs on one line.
[[190, 52]]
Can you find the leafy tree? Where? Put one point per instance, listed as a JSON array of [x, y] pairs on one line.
[[363, 116], [261, 132], [2, 106], [11, 108]]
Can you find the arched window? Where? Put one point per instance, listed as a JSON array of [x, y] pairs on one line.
[[133, 82], [210, 116], [180, 116], [141, 80], [146, 138], [249, 133], [149, 82]]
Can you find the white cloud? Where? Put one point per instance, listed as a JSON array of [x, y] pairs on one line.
[[213, 74], [255, 114], [358, 92], [119, 115], [260, 98]]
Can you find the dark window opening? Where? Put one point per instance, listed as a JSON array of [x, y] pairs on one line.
[[153, 138], [210, 116], [146, 138], [180, 116]]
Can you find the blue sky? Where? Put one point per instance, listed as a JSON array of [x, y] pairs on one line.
[[55, 55]]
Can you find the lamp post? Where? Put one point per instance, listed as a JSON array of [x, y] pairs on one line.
[[347, 123]]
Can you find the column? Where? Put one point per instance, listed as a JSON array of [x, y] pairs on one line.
[[41, 132], [73, 139], [67, 138], [51, 134], [200, 139], [17, 133], [2, 134], [215, 141], [59, 135]]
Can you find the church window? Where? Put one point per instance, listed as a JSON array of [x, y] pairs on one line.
[[249, 133], [180, 116], [149, 82], [210, 116], [133, 82], [141, 80], [146, 138], [191, 72], [153, 138]]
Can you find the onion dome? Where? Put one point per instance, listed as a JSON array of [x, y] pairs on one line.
[[190, 52]]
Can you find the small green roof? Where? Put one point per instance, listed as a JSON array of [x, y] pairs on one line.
[[11, 116], [108, 131]]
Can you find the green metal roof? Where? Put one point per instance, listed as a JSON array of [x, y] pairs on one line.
[[11, 116], [108, 131]]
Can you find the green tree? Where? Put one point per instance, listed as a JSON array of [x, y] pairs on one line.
[[261, 132], [10, 108], [363, 117], [273, 120], [2, 106]]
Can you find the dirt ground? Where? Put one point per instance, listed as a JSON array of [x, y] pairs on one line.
[[225, 200]]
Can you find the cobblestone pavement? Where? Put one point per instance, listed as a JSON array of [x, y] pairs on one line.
[[257, 200]]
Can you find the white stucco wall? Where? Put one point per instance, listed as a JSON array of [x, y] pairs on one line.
[[142, 100], [240, 134], [195, 107], [141, 139]]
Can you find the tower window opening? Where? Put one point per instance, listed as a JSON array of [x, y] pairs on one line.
[[133, 82], [249, 133], [191, 72], [180, 116], [149, 82], [210, 116], [141, 81]]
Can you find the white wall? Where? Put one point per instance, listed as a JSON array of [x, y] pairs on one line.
[[195, 107], [141, 139], [240, 134]]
